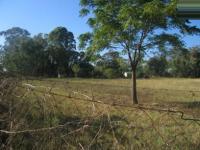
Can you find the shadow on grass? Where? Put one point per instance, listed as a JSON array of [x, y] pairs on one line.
[[195, 104], [189, 108], [189, 104], [92, 133]]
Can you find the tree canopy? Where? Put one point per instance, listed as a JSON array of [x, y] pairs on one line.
[[39, 55], [134, 27]]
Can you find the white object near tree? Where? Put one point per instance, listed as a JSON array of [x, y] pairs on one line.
[[5, 70], [59, 75], [125, 74]]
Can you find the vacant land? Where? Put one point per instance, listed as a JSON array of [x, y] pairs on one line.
[[184, 93], [98, 114]]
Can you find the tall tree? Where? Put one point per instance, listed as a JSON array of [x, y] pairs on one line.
[[61, 49], [14, 57], [39, 55], [195, 61], [157, 66], [76, 69], [134, 27], [186, 63], [180, 65], [14, 33]]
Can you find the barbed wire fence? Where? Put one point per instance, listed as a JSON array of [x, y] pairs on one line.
[[80, 116]]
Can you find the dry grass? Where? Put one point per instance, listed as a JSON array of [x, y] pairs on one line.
[[166, 92], [90, 125], [157, 83]]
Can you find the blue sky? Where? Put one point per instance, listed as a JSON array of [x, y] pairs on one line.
[[41, 16]]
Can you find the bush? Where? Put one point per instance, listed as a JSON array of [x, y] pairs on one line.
[[111, 73]]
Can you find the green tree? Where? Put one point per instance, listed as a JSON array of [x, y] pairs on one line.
[[131, 25], [86, 67], [195, 61], [61, 49], [24, 54], [1, 57], [111, 64], [14, 33], [39, 55], [180, 63], [186, 63], [14, 57], [157, 66], [76, 69]]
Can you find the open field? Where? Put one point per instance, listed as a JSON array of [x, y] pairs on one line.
[[166, 92], [98, 114]]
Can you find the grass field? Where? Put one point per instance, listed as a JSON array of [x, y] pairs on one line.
[[98, 114], [184, 93]]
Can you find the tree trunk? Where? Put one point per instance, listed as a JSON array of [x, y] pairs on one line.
[[134, 87]]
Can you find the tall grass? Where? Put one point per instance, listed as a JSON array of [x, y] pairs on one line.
[[30, 119]]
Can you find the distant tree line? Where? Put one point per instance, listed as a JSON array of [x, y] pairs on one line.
[[178, 63], [55, 55], [50, 55]]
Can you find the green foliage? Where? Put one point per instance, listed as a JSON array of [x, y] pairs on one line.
[[85, 40], [23, 54], [157, 66], [76, 69], [179, 63], [128, 23], [48, 55], [110, 73], [142, 70], [111, 65], [195, 61], [13, 34], [86, 69], [41, 55], [131, 26], [60, 36], [186, 63], [61, 49]]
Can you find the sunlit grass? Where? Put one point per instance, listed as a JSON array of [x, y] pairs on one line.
[[114, 127]]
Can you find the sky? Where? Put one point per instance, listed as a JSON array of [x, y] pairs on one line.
[[42, 16]]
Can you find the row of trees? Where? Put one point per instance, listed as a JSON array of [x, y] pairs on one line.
[[180, 63], [55, 54], [52, 54]]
